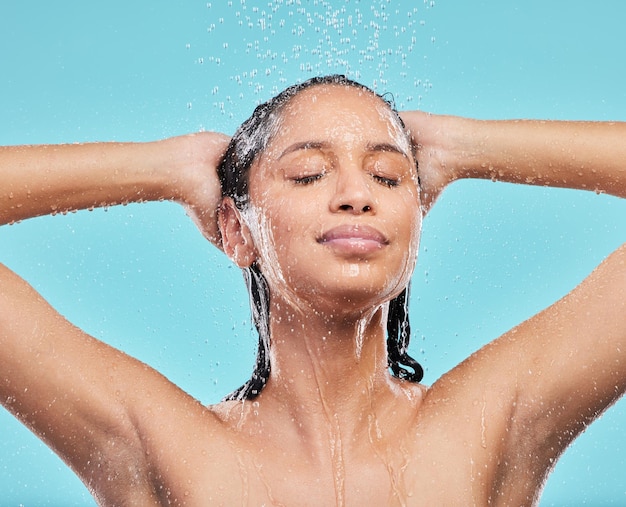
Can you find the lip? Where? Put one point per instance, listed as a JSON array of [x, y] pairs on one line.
[[353, 239]]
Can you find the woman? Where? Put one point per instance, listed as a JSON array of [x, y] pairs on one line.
[[328, 220]]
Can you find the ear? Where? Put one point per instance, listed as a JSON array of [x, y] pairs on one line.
[[236, 238]]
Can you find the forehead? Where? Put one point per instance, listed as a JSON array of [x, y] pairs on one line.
[[341, 114]]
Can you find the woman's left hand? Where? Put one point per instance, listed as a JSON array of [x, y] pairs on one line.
[[435, 138]]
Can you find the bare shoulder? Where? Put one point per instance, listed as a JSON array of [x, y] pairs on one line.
[[516, 404], [181, 451], [117, 422]]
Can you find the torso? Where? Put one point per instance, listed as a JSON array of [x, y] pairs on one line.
[[450, 454]]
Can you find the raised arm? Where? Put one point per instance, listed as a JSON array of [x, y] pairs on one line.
[[83, 398], [42, 180], [545, 380], [579, 155]]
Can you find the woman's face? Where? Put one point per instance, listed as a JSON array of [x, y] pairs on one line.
[[334, 202]]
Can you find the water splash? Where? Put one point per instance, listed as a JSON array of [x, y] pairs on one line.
[[350, 270], [339, 470], [261, 229], [377, 43], [360, 337], [334, 436], [483, 425], [395, 470]]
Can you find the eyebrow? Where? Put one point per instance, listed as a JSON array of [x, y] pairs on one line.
[[304, 145], [318, 145], [388, 147]]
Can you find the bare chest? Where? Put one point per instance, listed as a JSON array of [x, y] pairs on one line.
[[438, 460], [404, 476]]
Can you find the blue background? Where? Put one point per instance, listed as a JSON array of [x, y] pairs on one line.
[[143, 279]]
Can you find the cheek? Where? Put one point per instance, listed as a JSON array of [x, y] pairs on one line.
[[415, 234], [274, 230], [409, 228], [405, 212], [417, 229]]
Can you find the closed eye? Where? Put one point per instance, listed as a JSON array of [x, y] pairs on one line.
[[388, 182], [306, 180]]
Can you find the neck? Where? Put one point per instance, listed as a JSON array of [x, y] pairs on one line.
[[332, 347], [330, 371]]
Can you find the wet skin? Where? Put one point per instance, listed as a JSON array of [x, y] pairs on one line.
[[334, 223], [336, 206]]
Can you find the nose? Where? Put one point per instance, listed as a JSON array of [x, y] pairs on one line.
[[353, 193]]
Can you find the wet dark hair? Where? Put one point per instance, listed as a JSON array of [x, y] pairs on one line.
[[249, 141]]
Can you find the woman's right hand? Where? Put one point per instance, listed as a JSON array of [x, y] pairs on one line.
[[39, 180], [195, 182]]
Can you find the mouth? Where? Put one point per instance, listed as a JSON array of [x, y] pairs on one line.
[[354, 239]]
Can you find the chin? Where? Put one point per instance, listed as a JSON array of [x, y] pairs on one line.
[[345, 287], [350, 299]]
